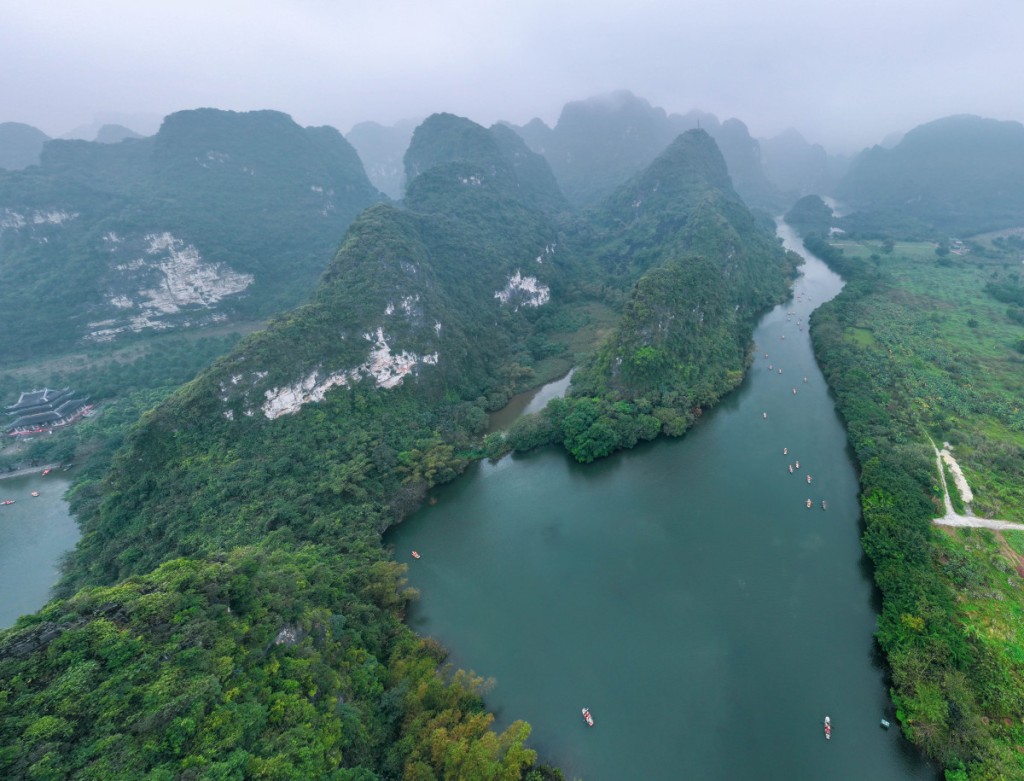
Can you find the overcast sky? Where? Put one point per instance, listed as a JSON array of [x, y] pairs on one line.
[[843, 73]]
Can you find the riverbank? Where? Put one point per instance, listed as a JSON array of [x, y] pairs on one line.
[[28, 471]]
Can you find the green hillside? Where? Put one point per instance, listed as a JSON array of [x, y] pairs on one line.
[[218, 216]]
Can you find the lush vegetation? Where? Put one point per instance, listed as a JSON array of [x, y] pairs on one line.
[[252, 193], [918, 348], [230, 604]]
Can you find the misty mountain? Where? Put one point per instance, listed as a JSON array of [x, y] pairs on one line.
[[382, 150], [796, 166], [20, 145], [219, 215], [599, 143], [112, 134], [960, 175], [449, 145]]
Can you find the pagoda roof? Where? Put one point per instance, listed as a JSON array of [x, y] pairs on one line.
[[38, 398], [39, 419]]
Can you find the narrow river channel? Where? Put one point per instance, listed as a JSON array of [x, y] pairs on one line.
[[683, 591]]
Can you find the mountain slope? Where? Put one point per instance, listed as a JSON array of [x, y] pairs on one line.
[[20, 145], [219, 215], [960, 175]]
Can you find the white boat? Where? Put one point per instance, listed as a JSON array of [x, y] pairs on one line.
[[828, 728], [587, 717]]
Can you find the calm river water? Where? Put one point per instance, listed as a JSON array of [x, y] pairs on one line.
[[682, 591], [34, 533]]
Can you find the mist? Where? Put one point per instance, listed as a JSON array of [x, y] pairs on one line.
[[843, 75]]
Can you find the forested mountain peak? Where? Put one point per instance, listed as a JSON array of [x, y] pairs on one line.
[[960, 174], [20, 145], [219, 215], [449, 155]]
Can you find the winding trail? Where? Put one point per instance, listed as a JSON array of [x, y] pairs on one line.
[[953, 519]]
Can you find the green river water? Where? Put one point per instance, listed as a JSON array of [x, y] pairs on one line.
[[682, 590], [34, 533]]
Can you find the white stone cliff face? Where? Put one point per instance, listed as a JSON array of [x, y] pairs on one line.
[[168, 277], [186, 279], [524, 291], [386, 368]]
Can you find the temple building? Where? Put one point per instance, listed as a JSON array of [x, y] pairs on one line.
[[40, 411]]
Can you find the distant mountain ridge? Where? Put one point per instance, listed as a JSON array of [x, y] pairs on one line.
[[20, 145], [598, 143], [219, 215], [961, 175]]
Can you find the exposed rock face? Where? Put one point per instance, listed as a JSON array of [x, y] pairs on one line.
[[163, 277], [386, 369], [524, 291]]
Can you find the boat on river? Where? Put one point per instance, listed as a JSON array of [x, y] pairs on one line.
[[46, 472], [587, 717], [785, 451], [828, 728], [808, 478], [824, 506], [415, 554], [809, 503], [791, 469], [8, 501], [35, 494]]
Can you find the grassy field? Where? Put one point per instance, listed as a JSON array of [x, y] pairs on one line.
[[961, 361]]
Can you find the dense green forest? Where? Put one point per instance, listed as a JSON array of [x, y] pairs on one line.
[[187, 228], [230, 606], [921, 347]]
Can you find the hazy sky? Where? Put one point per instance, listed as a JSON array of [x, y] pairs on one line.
[[844, 73]]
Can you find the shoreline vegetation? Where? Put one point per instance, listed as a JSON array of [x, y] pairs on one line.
[[918, 348]]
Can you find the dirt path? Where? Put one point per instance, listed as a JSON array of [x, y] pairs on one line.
[[953, 519]]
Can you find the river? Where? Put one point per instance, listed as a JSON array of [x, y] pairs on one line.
[[35, 532], [682, 590]]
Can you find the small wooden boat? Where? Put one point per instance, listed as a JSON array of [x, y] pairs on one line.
[[35, 493], [764, 414], [415, 555], [808, 478], [809, 503], [780, 371], [46, 472], [587, 717], [828, 728], [785, 451], [791, 469], [824, 505], [797, 464], [8, 501]]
